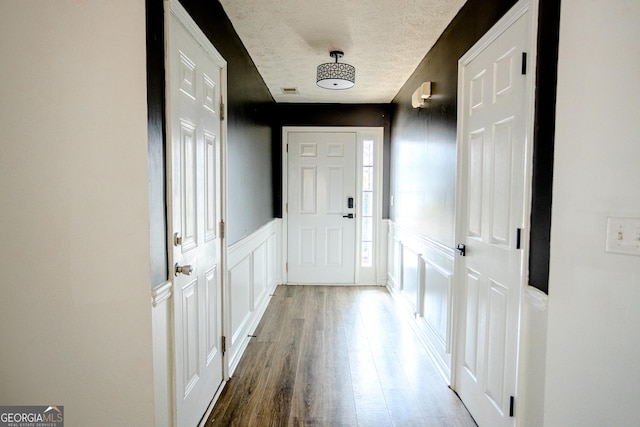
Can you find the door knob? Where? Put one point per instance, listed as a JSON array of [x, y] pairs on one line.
[[183, 269], [462, 249], [351, 216]]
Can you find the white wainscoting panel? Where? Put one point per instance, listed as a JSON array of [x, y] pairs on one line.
[[411, 277], [240, 284], [533, 350], [438, 284], [420, 277], [162, 367], [253, 271], [394, 260]]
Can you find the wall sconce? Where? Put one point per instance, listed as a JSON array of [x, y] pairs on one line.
[[420, 96]]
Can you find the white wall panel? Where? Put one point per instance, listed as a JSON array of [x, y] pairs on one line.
[[162, 354], [437, 301], [260, 273], [394, 264], [410, 276], [254, 272], [593, 319], [420, 277], [533, 352], [240, 284], [76, 318]]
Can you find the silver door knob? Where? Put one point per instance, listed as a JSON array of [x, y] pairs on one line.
[[183, 269]]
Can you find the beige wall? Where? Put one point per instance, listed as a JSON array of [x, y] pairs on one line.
[[75, 319], [593, 348]]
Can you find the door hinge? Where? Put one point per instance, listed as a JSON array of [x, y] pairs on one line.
[[524, 63], [222, 229], [286, 207], [221, 109], [224, 344], [518, 238], [286, 266], [287, 148], [512, 403]]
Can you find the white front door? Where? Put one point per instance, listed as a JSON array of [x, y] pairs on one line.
[[494, 122], [321, 207], [194, 154]]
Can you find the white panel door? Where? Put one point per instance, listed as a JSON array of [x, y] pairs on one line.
[[494, 123], [195, 201], [321, 179]]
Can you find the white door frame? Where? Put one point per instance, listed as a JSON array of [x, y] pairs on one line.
[[173, 7], [519, 9], [361, 277]]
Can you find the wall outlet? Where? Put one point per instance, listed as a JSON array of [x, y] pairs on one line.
[[623, 236]]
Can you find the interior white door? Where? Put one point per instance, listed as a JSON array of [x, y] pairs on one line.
[[195, 200], [321, 219], [494, 127]]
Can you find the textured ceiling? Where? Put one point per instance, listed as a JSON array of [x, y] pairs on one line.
[[384, 39]]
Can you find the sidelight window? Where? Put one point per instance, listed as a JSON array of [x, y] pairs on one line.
[[367, 204]]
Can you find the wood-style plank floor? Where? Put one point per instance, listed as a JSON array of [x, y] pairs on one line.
[[336, 356]]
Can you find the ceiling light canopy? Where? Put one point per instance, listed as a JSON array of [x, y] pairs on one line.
[[335, 75]]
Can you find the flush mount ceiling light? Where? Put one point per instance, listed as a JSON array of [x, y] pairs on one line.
[[334, 75]]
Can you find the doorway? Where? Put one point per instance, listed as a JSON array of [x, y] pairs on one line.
[[332, 182], [494, 135], [196, 76]]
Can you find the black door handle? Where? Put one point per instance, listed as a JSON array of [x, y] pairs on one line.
[[462, 249], [350, 216]]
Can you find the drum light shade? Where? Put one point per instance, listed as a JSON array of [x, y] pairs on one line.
[[335, 75]]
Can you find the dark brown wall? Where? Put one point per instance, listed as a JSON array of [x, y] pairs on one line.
[[156, 145], [543, 140], [423, 141], [255, 121], [435, 126]]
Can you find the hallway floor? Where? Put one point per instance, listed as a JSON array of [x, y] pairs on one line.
[[336, 356]]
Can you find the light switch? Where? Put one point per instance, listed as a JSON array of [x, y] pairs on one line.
[[623, 235]]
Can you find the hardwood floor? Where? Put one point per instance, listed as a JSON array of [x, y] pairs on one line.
[[336, 356]]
